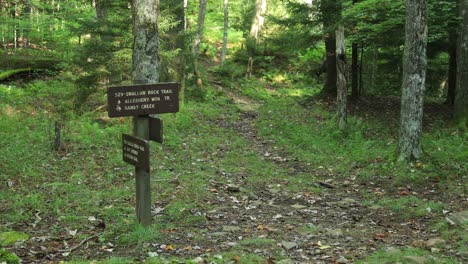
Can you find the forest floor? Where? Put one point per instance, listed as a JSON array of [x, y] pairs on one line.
[[239, 179]]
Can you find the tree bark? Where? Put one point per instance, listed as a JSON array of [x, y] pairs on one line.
[[259, 19], [354, 68], [146, 65], [414, 78], [341, 79], [146, 61], [226, 28], [255, 32], [461, 95], [452, 72], [200, 26], [330, 12]]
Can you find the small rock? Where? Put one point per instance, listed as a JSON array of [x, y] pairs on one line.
[[435, 250], [435, 242], [346, 203], [288, 245], [298, 206], [285, 261], [459, 218], [334, 232], [231, 228], [231, 244], [342, 260]]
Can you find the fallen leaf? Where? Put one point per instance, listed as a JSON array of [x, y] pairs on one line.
[[236, 259]]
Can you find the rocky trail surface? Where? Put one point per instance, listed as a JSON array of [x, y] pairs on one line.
[[337, 224]]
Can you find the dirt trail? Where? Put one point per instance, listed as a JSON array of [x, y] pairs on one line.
[[335, 226]]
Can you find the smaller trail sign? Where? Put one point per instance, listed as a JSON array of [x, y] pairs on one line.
[[136, 152], [138, 100]]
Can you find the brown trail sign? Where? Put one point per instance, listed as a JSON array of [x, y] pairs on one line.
[[141, 100], [135, 151]]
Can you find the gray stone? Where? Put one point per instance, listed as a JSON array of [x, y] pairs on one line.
[[459, 218], [285, 261], [298, 206], [218, 234], [334, 232], [342, 260], [346, 203], [231, 228], [288, 245]]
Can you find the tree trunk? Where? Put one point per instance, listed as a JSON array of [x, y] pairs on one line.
[[452, 72], [200, 26], [354, 71], [330, 12], [146, 64], [354, 68], [414, 78], [341, 78], [146, 61], [461, 95], [259, 19], [226, 28], [375, 66], [255, 32]]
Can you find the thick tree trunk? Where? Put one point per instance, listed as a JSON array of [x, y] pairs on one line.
[[259, 19], [414, 78], [200, 25], [341, 79], [461, 95], [226, 28], [146, 61], [146, 65]]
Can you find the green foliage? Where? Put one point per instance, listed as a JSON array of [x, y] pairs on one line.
[[12, 237], [8, 257], [404, 256]]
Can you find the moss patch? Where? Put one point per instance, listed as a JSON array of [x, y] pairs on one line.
[[12, 237]]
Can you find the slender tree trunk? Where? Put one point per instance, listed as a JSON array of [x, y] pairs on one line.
[[461, 95], [414, 78], [354, 68], [200, 26], [452, 71], [354, 71], [330, 14], [15, 30], [361, 68], [375, 66], [341, 79], [226, 28], [255, 32]]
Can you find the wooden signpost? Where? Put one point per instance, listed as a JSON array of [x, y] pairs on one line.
[[142, 102]]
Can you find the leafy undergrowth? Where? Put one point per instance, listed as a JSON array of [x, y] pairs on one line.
[[229, 184]]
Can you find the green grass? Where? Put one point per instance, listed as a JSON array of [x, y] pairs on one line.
[[411, 206], [403, 256]]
